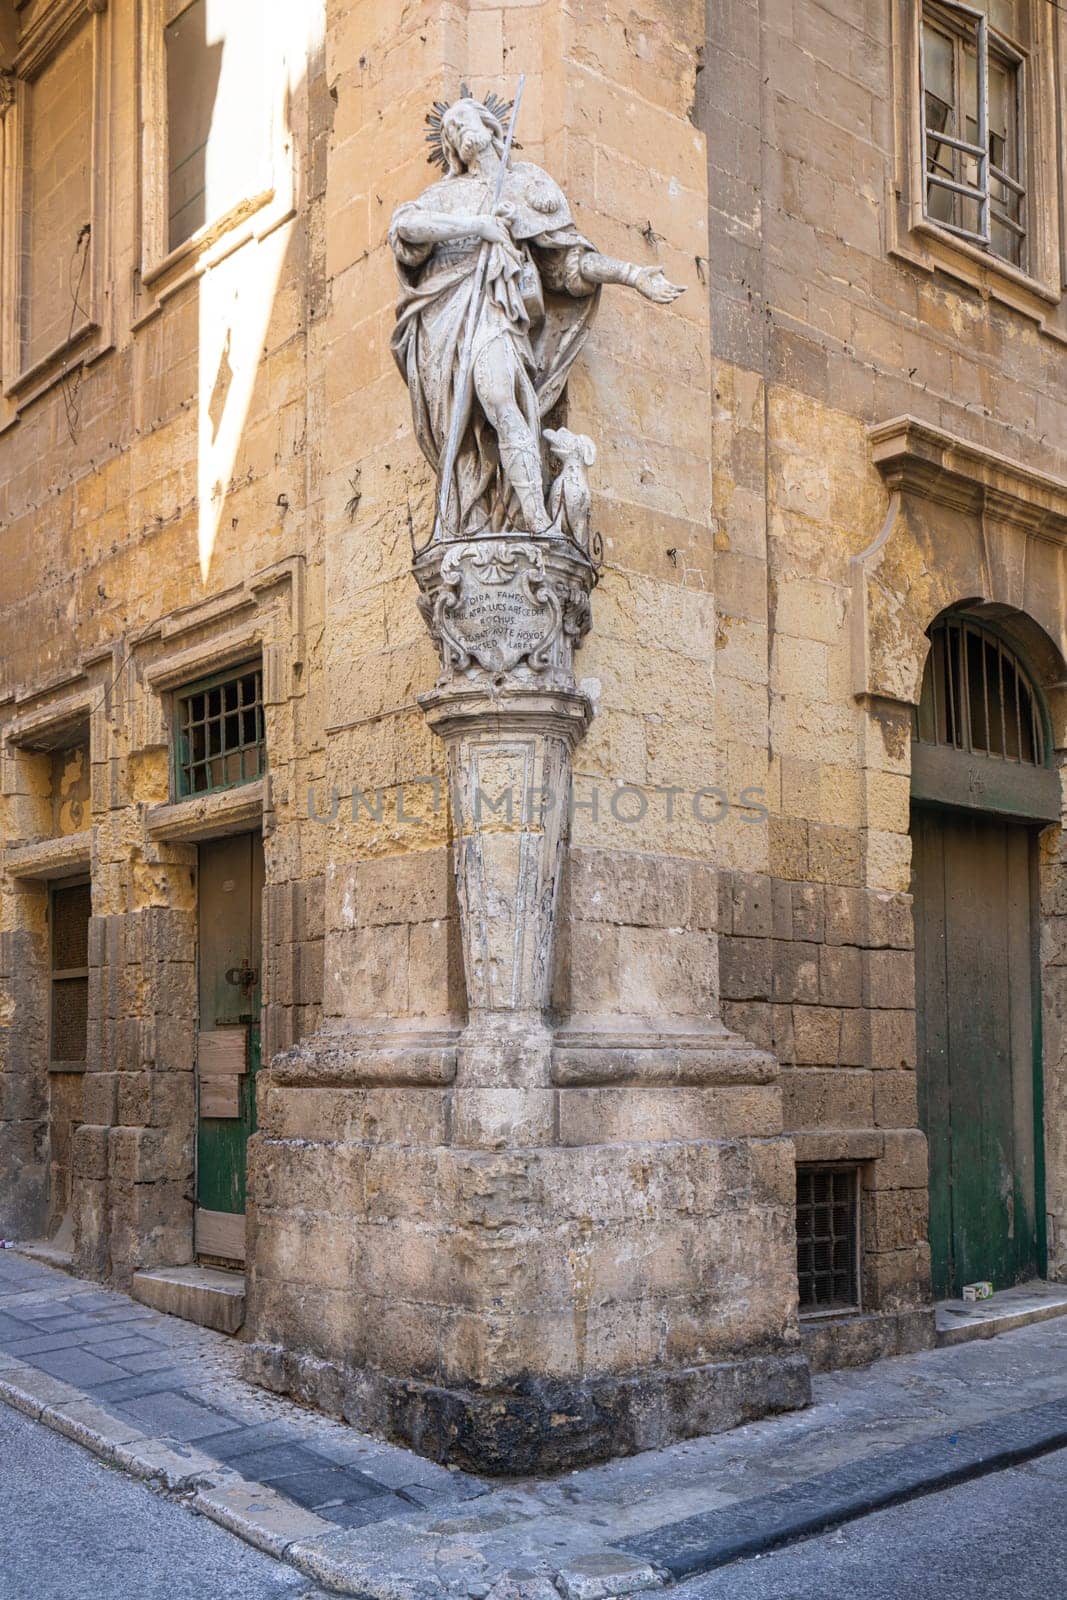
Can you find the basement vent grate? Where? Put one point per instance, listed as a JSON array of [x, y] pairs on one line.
[[827, 1238]]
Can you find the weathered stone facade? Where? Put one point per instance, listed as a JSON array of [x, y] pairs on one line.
[[212, 462]]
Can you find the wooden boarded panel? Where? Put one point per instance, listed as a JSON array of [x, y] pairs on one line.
[[222, 1054], [229, 958], [221, 1233], [931, 1001], [221, 1096]]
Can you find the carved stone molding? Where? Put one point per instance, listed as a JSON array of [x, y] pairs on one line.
[[915, 458], [505, 607], [963, 525]]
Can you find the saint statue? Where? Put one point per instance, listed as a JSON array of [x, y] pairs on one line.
[[520, 314]]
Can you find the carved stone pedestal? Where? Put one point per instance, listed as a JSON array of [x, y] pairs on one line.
[[557, 1230], [506, 614]]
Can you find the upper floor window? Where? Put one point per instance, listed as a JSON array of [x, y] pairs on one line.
[[55, 131], [220, 734], [215, 143], [973, 110], [978, 131], [216, 121]]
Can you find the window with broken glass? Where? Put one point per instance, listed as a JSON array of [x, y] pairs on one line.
[[972, 130], [221, 735]]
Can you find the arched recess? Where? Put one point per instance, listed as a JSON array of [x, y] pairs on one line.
[[968, 531], [982, 787], [982, 729]]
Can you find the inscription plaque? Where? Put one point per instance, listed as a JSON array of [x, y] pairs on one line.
[[496, 606]]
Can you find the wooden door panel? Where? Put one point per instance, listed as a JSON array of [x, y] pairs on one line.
[[974, 911], [1023, 923], [229, 960], [931, 983], [982, 1121]]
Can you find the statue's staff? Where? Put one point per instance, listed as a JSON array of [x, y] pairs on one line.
[[474, 311]]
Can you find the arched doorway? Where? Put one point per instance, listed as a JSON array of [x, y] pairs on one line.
[[982, 788]]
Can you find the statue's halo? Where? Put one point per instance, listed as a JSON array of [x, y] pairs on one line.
[[498, 108]]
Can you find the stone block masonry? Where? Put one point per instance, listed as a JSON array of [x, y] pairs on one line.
[[576, 1238]]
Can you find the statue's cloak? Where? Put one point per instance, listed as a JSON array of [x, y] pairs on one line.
[[536, 312]]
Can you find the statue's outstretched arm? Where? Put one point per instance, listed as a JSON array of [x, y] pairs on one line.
[[649, 281]]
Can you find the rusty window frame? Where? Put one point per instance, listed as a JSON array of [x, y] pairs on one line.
[[961, 26]]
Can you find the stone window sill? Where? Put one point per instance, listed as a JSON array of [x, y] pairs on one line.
[[45, 859], [210, 816], [932, 249]]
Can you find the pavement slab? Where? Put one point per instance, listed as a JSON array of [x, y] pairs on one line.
[[166, 1401]]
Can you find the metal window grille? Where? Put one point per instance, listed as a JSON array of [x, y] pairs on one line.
[[977, 697], [221, 733], [971, 85], [69, 1007], [828, 1238]]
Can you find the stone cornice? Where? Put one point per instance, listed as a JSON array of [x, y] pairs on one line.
[[61, 857], [917, 459], [49, 29], [47, 724]]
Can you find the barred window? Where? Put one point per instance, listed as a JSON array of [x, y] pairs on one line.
[[977, 697], [69, 1001], [221, 735], [828, 1238], [972, 130]]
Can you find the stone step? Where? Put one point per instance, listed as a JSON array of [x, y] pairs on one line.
[[961, 1320], [206, 1295], [46, 1251]]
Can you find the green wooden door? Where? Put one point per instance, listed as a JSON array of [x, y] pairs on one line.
[[228, 1045], [974, 885]]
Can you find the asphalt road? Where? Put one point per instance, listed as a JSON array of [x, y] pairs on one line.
[[998, 1538], [74, 1529]]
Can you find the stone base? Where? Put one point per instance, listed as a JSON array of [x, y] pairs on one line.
[[855, 1341], [205, 1295], [960, 1321], [627, 1280], [542, 1425]]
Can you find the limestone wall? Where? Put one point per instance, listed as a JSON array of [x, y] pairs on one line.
[[236, 462], [828, 318], [153, 500]]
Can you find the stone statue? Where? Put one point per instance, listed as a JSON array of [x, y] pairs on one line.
[[569, 500], [485, 343], [498, 292]]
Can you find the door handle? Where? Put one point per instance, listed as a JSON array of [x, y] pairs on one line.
[[244, 976]]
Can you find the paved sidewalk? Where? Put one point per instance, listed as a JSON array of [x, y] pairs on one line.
[[165, 1400]]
